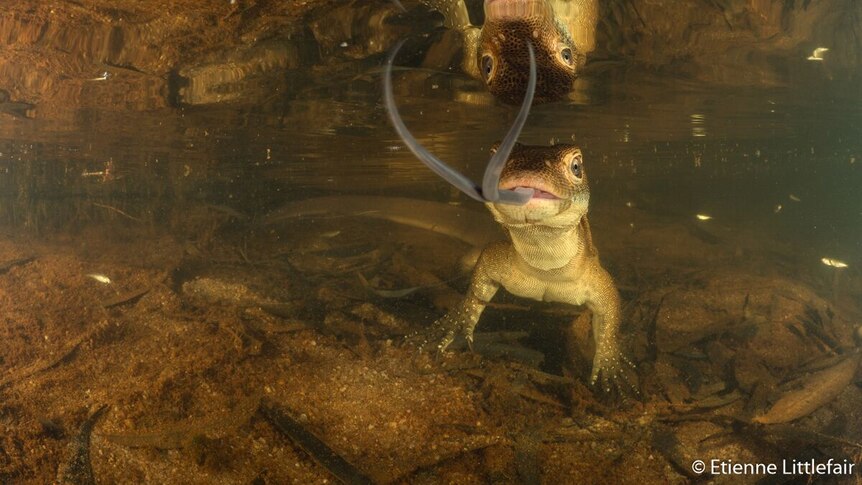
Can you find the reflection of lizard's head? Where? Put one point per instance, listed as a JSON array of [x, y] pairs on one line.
[[556, 174], [502, 56]]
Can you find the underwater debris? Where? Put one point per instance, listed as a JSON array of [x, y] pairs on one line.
[[539, 397], [283, 310], [126, 297], [835, 263], [211, 453], [672, 384], [703, 217], [340, 325], [103, 77], [442, 296], [473, 227], [327, 264], [316, 448], [77, 469], [817, 54], [184, 434], [715, 401], [401, 293], [228, 211], [381, 318], [205, 291], [465, 446], [40, 365], [527, 447], [815, 329], [387, 293], [664, 439], [114, 209], [700, 231], [247, 341], [797, 434], [817, 389], [496, 345], [51, 428], [100, 278], [4, 267]]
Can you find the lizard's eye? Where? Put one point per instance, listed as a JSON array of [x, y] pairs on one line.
[[577, 165], [487, 67], [566, 56]]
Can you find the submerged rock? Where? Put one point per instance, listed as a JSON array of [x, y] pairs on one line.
[[777, 322], [206, 290]]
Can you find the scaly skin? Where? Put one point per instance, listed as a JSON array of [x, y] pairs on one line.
[[549, 256], [561, 31]]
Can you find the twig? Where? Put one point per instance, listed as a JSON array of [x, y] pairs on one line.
[[4, 267], [311, 444], [125, 298], [118, 211]]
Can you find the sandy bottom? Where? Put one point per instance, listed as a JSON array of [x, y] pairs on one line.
[[189, 337]]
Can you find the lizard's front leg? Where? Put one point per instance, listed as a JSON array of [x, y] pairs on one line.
[[454, 13], [455, 17], [609, 363], [463, 318]]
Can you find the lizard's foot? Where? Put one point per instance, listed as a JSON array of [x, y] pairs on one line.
[[444, 331], [614, 374]]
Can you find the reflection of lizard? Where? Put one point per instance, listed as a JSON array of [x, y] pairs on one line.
[[550, 255], [562, 32], [14, 108]]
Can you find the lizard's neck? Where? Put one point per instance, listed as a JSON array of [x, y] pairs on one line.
[[547, 247], [580, 17]]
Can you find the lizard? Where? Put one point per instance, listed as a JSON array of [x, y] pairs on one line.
[[540, 197], [562, 31], [549, 256]]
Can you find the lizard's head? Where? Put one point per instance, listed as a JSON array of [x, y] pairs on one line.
[[556, 174], [502, 55]]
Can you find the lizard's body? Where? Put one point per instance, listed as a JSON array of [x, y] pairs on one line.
[[549, 255]]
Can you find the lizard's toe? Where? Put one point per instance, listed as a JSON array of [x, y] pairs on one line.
[[441, 334], [616, 377]]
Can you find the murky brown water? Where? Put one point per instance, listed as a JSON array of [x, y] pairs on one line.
[[226, 290]]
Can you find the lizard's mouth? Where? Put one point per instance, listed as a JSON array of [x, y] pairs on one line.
[[539, 193], [540, 190]]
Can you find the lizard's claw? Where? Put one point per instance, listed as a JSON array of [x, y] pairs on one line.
[[444, 331], [614, 374], [446, 327]]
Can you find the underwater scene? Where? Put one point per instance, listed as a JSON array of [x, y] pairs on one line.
[[431, 242]]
